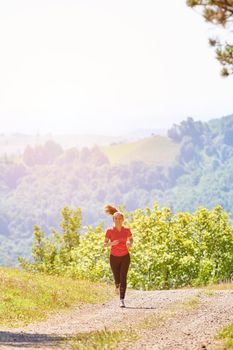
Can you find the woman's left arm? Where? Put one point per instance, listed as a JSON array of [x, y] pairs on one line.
[[130, 240]]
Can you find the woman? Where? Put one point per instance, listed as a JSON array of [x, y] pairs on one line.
[[119, 238]]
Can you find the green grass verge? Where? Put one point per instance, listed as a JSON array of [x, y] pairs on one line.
[[226, 335], [221, 286], [104, 339], [27, 297]]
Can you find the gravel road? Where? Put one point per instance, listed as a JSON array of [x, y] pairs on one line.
[[172, 326]]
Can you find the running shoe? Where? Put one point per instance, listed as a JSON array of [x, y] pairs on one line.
[[122, 303]]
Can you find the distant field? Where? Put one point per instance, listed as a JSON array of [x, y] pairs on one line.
[[158, 150], [16, 143]]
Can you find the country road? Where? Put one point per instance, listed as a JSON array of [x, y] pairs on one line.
[[186, 319]]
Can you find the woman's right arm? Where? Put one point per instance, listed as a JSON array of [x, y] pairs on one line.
[[108, 243]]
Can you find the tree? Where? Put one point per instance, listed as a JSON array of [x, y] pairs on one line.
[[219, 12], [195, 130], [46, 154], [51, 254]]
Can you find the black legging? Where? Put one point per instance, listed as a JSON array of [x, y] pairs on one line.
[[120, 266]]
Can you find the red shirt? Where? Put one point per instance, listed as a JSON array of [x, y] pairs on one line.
[[122, 236]]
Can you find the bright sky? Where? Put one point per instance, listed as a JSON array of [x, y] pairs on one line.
[[106, 66]]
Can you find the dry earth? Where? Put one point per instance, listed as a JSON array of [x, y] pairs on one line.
[[169, 325]]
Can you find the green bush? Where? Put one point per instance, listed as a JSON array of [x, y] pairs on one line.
[[170, 250]]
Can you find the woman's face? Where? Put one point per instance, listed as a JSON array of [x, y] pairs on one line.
[[118, 219]]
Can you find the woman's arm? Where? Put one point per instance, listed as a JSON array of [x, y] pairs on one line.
[[130, 242], [108, 243]]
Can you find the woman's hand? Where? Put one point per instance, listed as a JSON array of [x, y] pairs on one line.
[[116, 242], [129, 243], [107, 243]]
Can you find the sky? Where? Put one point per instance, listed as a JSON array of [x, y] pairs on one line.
[[106, 66]]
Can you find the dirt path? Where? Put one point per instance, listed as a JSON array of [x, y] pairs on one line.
[[191, 329]]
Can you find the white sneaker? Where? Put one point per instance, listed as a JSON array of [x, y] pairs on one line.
[[122, 303]]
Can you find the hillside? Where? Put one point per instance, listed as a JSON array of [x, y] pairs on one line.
[[190, 168], [154, 150], [16, 143]]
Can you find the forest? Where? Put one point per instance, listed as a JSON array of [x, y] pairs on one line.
[[36, 185]]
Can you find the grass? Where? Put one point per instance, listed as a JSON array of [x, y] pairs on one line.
[[220, 286], [226, 335], [154, 321], [157, 150], [103, 339], [209, 293], [27, 297], [189, 304]]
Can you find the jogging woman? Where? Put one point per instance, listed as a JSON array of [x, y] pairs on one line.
[[119, 238]]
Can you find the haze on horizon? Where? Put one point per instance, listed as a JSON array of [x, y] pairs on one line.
[[106, 67]]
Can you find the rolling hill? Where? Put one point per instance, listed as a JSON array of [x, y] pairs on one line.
[[156, 150]]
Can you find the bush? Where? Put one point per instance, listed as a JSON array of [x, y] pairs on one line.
[[170, 250]]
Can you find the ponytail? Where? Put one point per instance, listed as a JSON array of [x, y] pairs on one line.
[[109, 209]]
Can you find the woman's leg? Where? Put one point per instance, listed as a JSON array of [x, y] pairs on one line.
[[125, 262], [115, 263]]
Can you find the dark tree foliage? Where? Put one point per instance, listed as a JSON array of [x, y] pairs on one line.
[[11, 173], [228, 137], [196, 131], [42, 154], [219, 12]]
